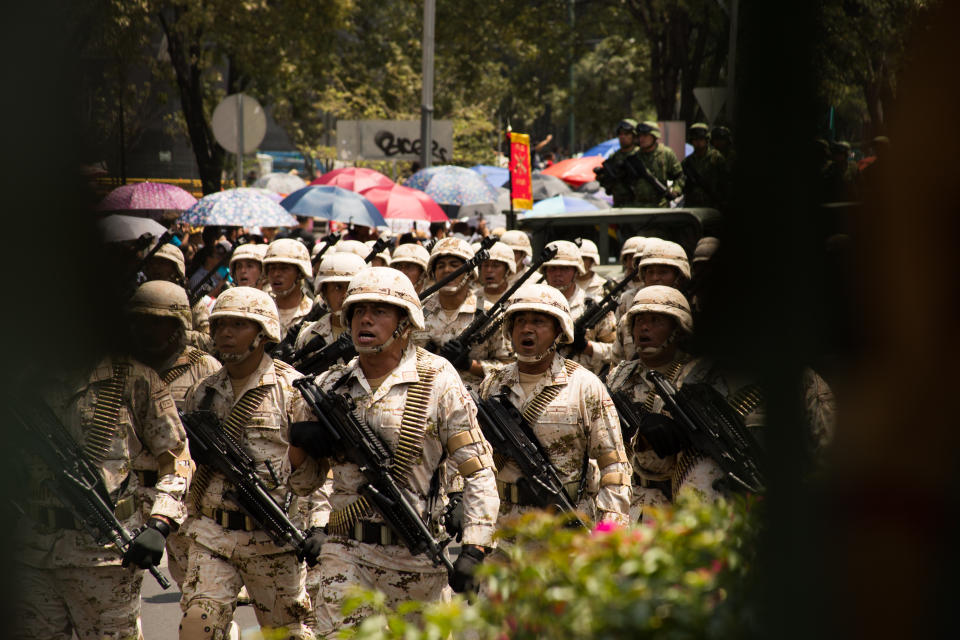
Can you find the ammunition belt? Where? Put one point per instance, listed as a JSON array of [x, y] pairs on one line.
[[518, 494], [745, 400], [686, 460], [193, 358], [232, 520], [99, 438], [372, 533], [59, 518], [233, 426], [671, 375], [413, 428]]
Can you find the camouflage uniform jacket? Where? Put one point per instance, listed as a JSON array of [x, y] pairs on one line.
[[623, 349], [306, 303], [710, 169], [620, 188], [451, 413], [265, 437], [491, 354], [147, 421], [201, 317], [663, 165], [578, 425], [322, 327], [593, 284], [602, 335]]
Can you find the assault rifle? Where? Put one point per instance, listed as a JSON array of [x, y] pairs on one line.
[[328, 241], [76, 482], [714, 428], [638, 169], [210, 443], [508, 433], [596, 311], [629, 414], [361, 445], [456, 348], [481, 255]]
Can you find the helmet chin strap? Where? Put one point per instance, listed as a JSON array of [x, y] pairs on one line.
[[286, 292], [540, 357], [236, 358], [397, 333], [455, 289], [651, 352]]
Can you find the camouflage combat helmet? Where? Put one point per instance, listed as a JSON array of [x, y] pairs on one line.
[[541, 298], [249, 251], [698, 130], [162, 298], [518, 241], [449, 246], [413, 253], [173, 254], [568, 255], [384, 285], [338, 267], [664, 252], [627, 124], [352, 246], [706, 247], [289, 251], [651, 127], [660, 299], [501, 252], [720, 132], [588, 249], [250, 304], [632, 246]]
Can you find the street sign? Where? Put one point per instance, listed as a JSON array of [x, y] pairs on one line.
[[711, 100], [227, 116], [392, 140]]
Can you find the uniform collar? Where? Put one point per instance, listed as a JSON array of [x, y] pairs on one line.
[[265, 374], [555, 376], [469, 304], [403, 373]]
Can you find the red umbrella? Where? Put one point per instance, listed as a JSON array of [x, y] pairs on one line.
[[355, 179], [404, 203], [575, 171]]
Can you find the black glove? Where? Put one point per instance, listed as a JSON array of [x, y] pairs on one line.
[[452, 517], [579, 341], [311, 437], [146, 550], [663, 433], [316, 536], [458, 356], [461, 580]]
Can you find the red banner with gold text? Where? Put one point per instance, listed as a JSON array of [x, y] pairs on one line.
[[521, 189]]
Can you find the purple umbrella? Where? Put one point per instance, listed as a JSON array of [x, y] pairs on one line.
[[147, 195]]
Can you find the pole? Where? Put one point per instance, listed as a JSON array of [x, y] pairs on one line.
[[426, 109], [511, 216], [571, 101], [239, 140], [732, 61]]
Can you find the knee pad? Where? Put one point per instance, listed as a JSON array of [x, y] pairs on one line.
[[205, 620]]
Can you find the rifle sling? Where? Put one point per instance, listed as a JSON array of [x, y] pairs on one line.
[[239, 416], [98, 439], [413, 429]]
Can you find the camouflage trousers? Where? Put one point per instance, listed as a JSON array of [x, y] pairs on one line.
[[345, 565], [275, 581], [96, 603]]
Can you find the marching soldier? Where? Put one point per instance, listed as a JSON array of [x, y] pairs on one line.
[[254, 397], [591, 282], [116, 412], [706, 171], [496, 272], [287, 263], [630, 254], [412, 259], [333, 274], [452, 310], [661, 163], [618, 183], [592, 348], [388, 377], [159, 316], [567, 407], [168, 264], [246, 265], [522, 252]]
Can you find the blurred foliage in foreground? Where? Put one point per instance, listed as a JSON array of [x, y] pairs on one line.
[[683, 576]]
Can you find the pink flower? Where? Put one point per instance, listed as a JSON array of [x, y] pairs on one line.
[[605, 526]]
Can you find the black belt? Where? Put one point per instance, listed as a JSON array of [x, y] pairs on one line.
[[373, 533], [665, 486], [232, 520]]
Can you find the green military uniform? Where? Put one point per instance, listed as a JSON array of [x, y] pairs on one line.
[[662, 164], [707, 174], [620, 187]]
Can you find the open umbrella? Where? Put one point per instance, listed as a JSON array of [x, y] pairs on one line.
[[118, 228], [242, 207], [327, 202], [280, 182], [421, 178], [400, 202], [545, 186], [575, 171], [563, 204], [497, 176], [147, 195], [357, 179], [458, 186], [605, 149]]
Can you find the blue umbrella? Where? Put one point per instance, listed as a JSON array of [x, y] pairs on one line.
[[243, 207], [562, 204], [328, 202], [604, 149], [497, 176]]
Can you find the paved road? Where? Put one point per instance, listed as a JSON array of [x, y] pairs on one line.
[[161, 609]]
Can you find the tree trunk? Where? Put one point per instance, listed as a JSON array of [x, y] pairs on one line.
[[208, 153]]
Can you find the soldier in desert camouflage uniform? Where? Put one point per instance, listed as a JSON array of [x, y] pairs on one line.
[[246, 265], [333, 274], [452, 310], [567, 407], [592, 282], [287, 264], [381, 309], [168, 264], [159, 315], [594, 347], [227, 550], [522, 253], [630, 254], [412, 259], [69, 583]]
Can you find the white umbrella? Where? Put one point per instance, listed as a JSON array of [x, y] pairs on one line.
[[119, 228]]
